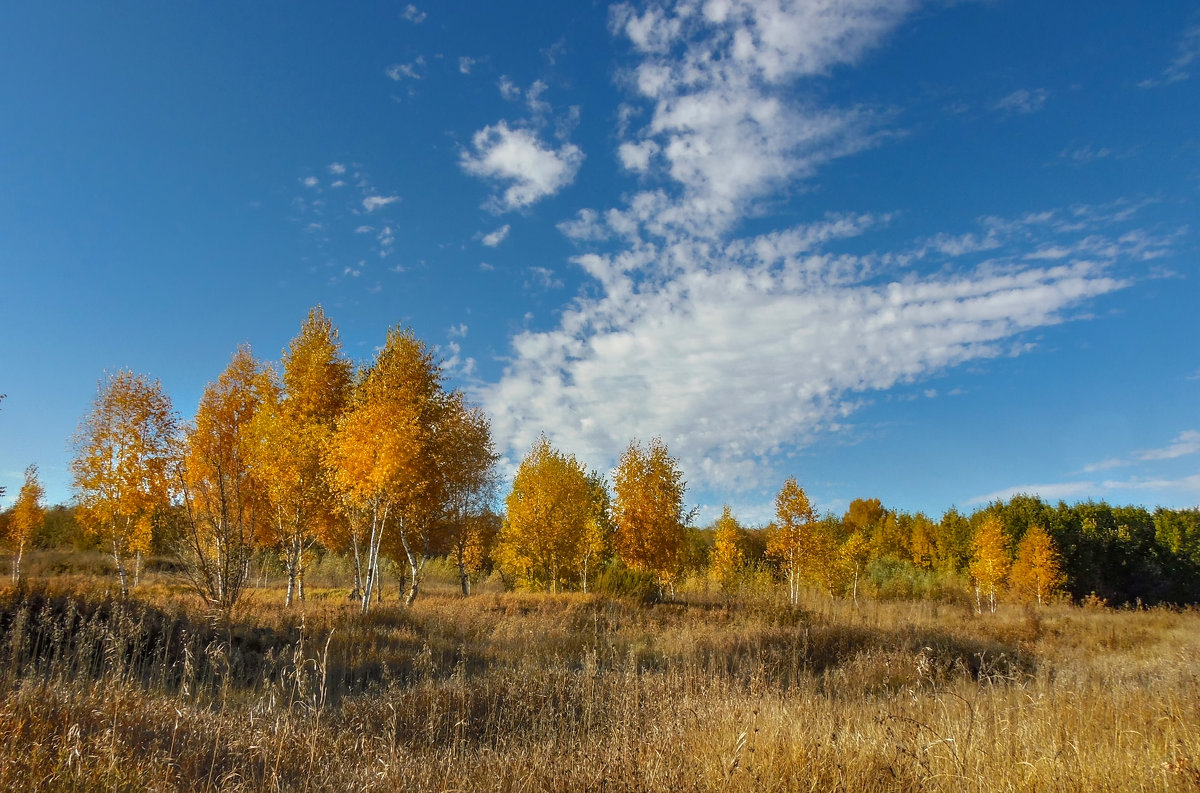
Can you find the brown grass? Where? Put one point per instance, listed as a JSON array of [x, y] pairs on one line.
[[529, 692]]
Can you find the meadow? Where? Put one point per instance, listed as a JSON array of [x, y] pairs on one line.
[[514, 691]]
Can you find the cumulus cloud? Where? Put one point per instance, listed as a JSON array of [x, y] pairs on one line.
[[496, 237], [722, 119], [519, 158], [374, 202], [399, 71], [413, 14]]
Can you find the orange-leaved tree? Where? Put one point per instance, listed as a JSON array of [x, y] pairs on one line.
[[543, 541], [989, 560], [466, 463], [27, 516], [224, 502], [124, 450], [382, 460], [1037, 573], [647, 510], [290, 431]]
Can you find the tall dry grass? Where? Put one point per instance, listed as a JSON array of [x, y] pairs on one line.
[[573, 692]]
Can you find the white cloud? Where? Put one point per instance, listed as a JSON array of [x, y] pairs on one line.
[[398, 71], [1057, 491], [724, 125], [465, 64], [520, 158], [496, 237], [1187, 52], [732, 351], [413, 14], [1022, 101], [1187, 443], [337, 168], [543, 278], [373, 202], [310, 181]]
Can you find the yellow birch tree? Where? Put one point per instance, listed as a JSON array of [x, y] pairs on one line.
[[27, 517], [727, 559], [647, 510], [382, 459], [543, 540], [466, 461], [989, 560], [291, 429], [1037, 573], [224, 502], [794, 541], [124, 449]]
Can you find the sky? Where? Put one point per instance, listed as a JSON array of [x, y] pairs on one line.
[[935, 253]]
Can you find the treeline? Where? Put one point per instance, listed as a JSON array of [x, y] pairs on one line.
[[381, 461]]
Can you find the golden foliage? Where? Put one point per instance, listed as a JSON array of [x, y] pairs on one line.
[[803, 548], [123, 452], [382, 459], [544, 540], [989, 558], [1037, 573], [27, 516], [647, 508], [726, 560], [291, 430], [225, 502]]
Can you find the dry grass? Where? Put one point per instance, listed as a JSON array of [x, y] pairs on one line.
[[573, 692]]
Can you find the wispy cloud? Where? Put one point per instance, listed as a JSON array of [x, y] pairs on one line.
[[1187, 443], [413, 14], [732, 351], [519, 158], [496, 237], [1022, 101], [1056, 491], [465, 64], [1187, 52]]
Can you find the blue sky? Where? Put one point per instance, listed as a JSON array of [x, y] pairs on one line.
[[934, 253]]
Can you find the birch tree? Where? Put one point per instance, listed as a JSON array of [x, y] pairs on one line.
[[291, 431], [381, 459], [648, 515], [1037, 572], [27, 516], [793, 541], [727, 559], [989, 560], [124, 449], [223, 500], [543, 540]]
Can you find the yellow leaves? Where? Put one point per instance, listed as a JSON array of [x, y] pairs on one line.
[[545, 538], [382, 449], [123, 450], [28, 513], [648, 490], [1037, 574], [804, 549], [989, 557], [726, 560]]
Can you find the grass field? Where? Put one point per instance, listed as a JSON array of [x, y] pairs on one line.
[[510, 691]]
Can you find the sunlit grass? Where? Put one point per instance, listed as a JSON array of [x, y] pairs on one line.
[[510, 691]]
